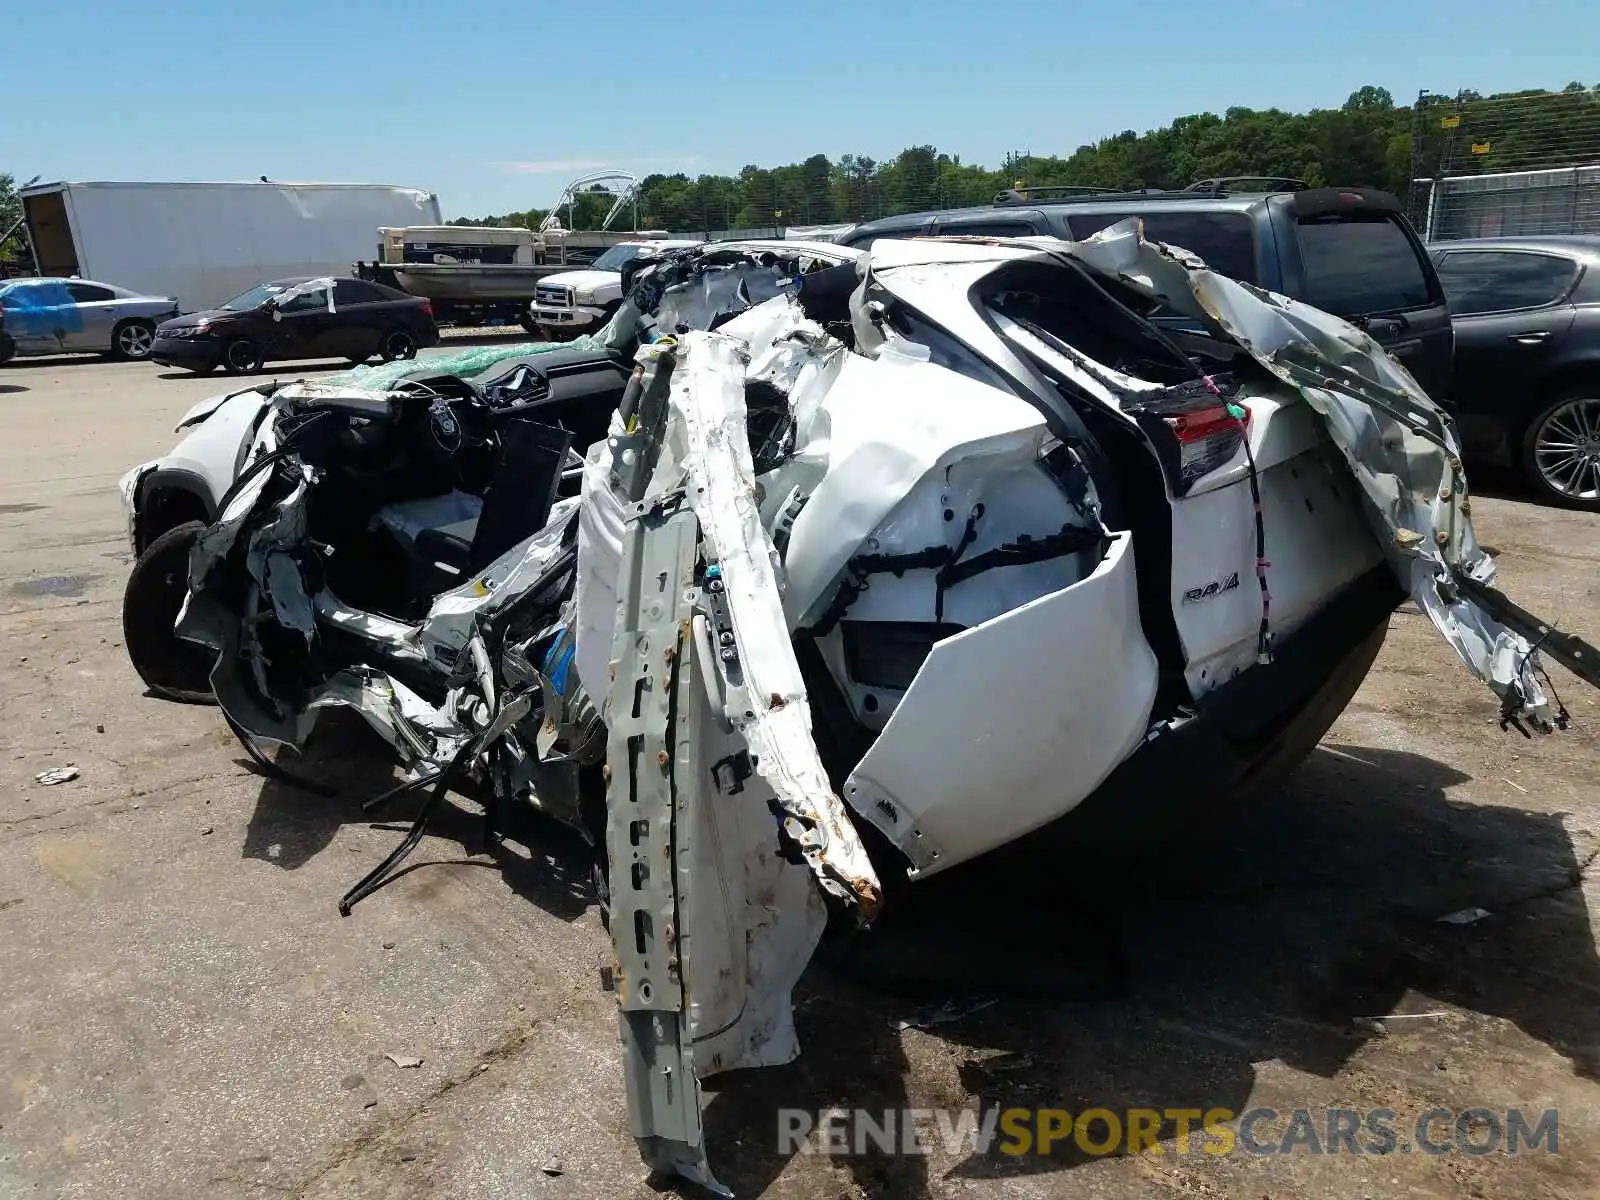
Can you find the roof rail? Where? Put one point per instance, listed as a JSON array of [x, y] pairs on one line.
[[1049, 192], [1222, 185]]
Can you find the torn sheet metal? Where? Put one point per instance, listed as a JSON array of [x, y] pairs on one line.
[[655, 785], [455, 614], [1054, 740], [1399, 445], [1402, 450], [766, 700]]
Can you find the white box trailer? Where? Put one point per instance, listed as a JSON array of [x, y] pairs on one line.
[[206, 242]]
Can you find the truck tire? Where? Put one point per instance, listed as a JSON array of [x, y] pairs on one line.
[[171, 668], [241, 357], [131, 340], [529, 324]]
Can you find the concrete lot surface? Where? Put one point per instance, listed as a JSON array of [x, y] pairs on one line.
[[183, 1013]]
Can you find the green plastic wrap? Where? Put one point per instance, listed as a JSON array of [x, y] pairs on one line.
[[466, 363]]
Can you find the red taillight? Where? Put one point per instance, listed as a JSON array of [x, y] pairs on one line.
[[1203, 423], [427, 308], [1205, 433]]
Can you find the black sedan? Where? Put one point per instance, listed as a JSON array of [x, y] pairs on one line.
[[298, 318], [1526, 387]]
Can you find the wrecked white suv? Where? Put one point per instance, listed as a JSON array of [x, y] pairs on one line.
[[887, 559]]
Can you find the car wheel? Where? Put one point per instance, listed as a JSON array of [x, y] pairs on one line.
[[171, 668], [529, 324], [131, 340], [1561, 450], [397, 343], [241, 357]]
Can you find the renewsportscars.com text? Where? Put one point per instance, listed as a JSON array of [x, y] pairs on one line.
[[1177, 1131]]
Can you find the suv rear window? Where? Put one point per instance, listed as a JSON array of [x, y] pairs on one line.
[[1226, 240], [1355, 266]]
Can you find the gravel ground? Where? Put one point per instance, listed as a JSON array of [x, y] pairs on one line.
[[184, 1013]]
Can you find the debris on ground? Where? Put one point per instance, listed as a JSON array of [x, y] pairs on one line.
[[553, 1168], [404, 1060], [1381, 1024], [943, 1014], [1465, 916], [57, 775]]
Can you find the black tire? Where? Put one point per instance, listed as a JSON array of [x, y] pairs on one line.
[[241, 357], [397, 343], [1568, 479], [171, 668], [529, 324], [133, 339]]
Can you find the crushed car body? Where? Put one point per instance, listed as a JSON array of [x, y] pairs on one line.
[[885, 560]]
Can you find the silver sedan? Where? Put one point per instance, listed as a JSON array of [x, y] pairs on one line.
[[75, 316]]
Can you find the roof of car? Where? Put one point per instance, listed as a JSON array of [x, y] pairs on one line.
[[790, 246], [53, 279], [1576, 245], [1089, 206], [122, 292], [1305, 202]]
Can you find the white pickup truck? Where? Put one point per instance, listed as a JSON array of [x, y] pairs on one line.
[[570, 302]]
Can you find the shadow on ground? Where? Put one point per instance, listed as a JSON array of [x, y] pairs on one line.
[[291, 825], [8, 388], [1155, 977], [40, 362], [1137, 976]]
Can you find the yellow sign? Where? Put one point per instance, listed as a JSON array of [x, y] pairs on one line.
[[1481, 147], [1450, 122]]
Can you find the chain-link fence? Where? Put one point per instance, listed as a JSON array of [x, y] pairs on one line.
[[1566, 200], [1498, 166]]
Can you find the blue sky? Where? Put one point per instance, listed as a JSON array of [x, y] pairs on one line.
[[495, 106]]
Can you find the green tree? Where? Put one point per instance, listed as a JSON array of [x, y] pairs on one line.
[[1366, 140], [10, 213]]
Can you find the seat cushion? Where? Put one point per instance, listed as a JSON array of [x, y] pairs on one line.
[[406, 519]]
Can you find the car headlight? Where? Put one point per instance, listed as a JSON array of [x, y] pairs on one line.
[[581, 296]]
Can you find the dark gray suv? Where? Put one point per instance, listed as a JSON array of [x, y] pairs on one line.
[[1347, 250]]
